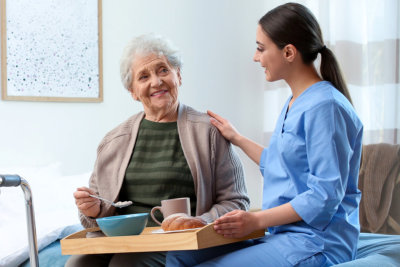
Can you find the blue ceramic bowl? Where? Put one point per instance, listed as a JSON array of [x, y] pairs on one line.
[[120, 225]]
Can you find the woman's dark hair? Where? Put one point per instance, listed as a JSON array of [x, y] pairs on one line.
[[294, 24]]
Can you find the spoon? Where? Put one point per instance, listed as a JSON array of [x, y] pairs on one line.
[[119, 204]]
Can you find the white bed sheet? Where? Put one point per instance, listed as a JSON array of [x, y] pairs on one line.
[[54, 209]]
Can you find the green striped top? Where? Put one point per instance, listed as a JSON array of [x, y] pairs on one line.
[[157, 170]]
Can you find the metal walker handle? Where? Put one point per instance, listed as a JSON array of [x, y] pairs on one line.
[[10, 180]]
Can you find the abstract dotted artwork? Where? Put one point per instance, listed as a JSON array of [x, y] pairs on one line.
[[51, 50]]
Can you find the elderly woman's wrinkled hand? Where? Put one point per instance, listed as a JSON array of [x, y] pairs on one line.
[[89, 206], [236, 224], [225, 127]]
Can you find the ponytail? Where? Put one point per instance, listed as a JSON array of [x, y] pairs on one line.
[[330, 71]]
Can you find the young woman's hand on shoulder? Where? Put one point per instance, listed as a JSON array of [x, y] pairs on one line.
[[251, 148], [225, 127]]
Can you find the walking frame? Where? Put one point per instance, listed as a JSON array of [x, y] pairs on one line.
[[13, 180]]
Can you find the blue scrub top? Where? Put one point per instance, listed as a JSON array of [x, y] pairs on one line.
[[313, 162]]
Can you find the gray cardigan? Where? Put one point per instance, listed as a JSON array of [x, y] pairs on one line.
[[216, 169]]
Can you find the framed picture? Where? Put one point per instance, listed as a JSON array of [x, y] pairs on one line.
[[51, 50]]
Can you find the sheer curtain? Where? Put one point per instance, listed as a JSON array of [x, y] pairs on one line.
[[364, 35]]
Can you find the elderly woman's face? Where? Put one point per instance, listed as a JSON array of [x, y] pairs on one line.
[[155, 83]]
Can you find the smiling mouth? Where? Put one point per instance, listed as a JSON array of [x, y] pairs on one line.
[[158, 93]]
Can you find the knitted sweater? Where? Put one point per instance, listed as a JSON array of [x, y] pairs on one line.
[[216, 169]]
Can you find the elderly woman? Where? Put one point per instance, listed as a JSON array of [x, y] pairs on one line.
[[167, 151]]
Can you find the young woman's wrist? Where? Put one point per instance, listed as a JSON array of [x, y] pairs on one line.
[[237, 140], [260, 220]]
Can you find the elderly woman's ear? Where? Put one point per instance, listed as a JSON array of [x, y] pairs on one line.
[[178, 72], [133, 94]]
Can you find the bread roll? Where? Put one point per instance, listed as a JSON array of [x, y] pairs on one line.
[[181, 221]]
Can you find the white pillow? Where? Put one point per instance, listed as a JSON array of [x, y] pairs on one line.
[[53, 204]]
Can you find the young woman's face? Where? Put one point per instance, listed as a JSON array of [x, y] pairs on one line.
[[270, 56]]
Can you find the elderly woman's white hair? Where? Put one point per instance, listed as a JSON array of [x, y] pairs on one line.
[[144, 45]]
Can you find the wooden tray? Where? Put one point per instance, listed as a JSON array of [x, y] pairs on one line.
[[147, 241]]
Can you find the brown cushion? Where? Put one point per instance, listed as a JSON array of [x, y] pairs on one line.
[[379, 184]]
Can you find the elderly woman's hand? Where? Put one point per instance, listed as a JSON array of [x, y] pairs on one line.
[[236, 224], [225, 127], [89, 206]]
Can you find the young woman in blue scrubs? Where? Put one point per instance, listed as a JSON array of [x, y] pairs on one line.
[[310, 168]]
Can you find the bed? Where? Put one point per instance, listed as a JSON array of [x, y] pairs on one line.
[[379, 243], [376, 250]]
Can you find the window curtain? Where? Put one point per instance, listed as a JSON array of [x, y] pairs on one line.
[[364, 35]]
